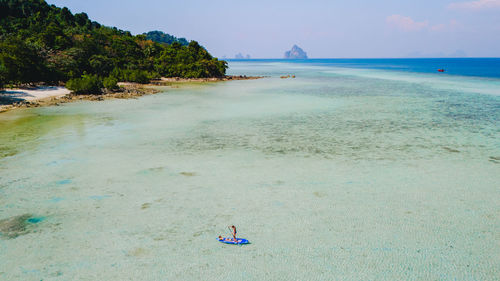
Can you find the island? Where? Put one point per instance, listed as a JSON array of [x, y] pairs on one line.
[[295, 53], [51, 49], [45, 43], [240, 56]]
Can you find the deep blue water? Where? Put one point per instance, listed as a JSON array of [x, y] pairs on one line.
[[480, 67]]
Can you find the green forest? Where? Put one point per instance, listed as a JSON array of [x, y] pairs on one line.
[[161, 37], [43, 43]]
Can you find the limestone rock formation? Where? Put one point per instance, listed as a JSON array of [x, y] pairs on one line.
[[240, 56], [295, 53]]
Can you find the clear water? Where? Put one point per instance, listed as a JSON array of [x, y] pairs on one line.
[[478, 67], [342, 173]]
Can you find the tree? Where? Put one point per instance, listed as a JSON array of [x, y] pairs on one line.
[[164, 38], [110, 83], [101, 65], [82, 19], [21, 62], [87, 84]]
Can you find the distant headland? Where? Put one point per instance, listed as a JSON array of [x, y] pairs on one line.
[[295, 53]]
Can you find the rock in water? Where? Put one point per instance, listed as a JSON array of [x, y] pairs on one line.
[[296, 53]]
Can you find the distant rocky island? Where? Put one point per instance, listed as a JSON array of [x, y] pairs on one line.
[[295, 53], [240, 56]]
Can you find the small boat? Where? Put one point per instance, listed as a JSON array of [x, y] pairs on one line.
[[239, 241], [441, 70]]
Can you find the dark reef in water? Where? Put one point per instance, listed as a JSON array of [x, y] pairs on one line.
[[18, 225], [450, 149]]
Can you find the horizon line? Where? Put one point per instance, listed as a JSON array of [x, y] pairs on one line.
[[362, 58]]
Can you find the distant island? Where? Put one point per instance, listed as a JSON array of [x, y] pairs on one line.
[[42, 43], [295, 53], [240, 56]]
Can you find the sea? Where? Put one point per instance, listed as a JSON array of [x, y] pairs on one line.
[[356, 169]]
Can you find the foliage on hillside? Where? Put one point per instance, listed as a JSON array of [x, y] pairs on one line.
[[161, 37], [44, 43]]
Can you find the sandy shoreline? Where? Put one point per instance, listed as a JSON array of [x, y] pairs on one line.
[[25, 97], [54, 95], [37, 93]]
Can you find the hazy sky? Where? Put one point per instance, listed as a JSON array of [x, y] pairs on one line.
[[324, 29]]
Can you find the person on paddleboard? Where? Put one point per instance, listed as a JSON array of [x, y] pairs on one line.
[[233, 232], [233, 240]]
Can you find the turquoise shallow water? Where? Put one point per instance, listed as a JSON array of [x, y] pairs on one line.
[[341, 173]]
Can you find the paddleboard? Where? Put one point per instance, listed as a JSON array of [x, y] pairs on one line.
[[231, 241]]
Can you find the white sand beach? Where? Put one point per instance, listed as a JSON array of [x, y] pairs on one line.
[[35, 93], [9, 97]]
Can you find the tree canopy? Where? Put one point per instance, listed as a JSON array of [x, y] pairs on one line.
[[43, 43], [161, 37]]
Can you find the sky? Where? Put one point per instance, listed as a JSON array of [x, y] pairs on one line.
[[323, 28]]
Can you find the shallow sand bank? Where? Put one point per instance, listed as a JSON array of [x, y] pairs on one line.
[[330, 176]]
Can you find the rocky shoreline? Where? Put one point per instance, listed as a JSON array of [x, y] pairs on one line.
[[127, 91], [167, 81]]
